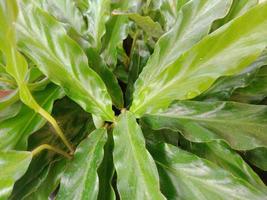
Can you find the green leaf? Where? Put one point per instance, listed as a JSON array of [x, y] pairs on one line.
[[46, 184], [62, 60], [137, 176], [238, 8], [252, 80], [97, 14], [138, 58], [255, 92], [16, 65], [169, 9], [116, 32], [113, 87], [13, 164], [243, 126], [222, 155], [197, 69], [81, 172], [257, 157], [15, 131], [145, 22], [106, 172], [185, 176], [66, 12]]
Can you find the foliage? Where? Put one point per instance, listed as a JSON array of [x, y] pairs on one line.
[[155, 99]]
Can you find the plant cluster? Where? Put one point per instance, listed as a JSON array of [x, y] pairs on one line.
[[133, 99]]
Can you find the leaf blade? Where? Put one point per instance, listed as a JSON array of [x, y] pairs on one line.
[[207, 121], [197, 69], [89, 154], [12, 166], [139, 172], [186, 176], [62, 60]]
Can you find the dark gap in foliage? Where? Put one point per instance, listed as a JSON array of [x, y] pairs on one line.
[[127, 45], [116, 110], [262, 174], [123, 88]]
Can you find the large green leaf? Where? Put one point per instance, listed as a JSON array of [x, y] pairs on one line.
[[62, 60], [222, 155], [13, 164], [185, 176], [80, 180], [243, 126], [226, 51], [15, 131], [137, 176]]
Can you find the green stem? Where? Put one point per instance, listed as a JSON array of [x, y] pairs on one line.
[[58, 130], [51, 148], [37, 85]]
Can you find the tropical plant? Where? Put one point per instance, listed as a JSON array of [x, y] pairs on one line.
[[115, 99]]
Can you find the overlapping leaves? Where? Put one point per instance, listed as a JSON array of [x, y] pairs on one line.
[[209, 50]]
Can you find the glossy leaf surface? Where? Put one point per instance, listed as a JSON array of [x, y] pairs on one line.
[[197, 69], [137, 176], [238, 8], [106, 172], [243, 126], [185, 176], [62, 60], [13, 164], [81, 172], [252, 80], [222, 155]]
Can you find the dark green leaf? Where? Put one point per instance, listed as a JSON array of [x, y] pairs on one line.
[[113, 87], [185, 176], [256, 91], [106, 172]]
